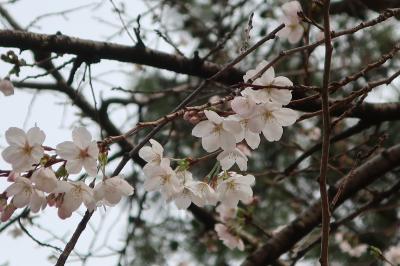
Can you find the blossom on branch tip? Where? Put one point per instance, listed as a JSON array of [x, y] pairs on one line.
[[226, 213], [25, 148], [234, 188], [229, 239], [252, 138], [81, 152], [216, 132], [111, 190]]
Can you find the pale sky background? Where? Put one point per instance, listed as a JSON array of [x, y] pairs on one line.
[[47, 111]]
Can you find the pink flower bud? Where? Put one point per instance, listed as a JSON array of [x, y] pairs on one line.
[[6, 87], [7, 212]]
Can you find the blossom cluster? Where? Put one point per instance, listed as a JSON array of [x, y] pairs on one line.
[[36, 185], [256, 111], [178, 185]]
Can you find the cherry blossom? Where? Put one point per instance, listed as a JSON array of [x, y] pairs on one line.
[[24, 193], [81, 152], [228, 158], [293, 29], [45, 179], [75, 194], [234, 188], [25, 148], [229, 238], [216, 132], [270, 120], [111, 190], [153, 155], [6, 87], [163, 179], [268, 78]]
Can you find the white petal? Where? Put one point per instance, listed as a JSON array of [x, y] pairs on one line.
[[241, 161], [252, 139], [14, 189], [291, 8], [227, 140], [37, 200], [282, 81], [99, 191], [45, 180], [147, 154], [256, 124], [285, 116], [272, 131], [296, 34], [182, 202], [67, 150], [210, 143], [281, 96], [213, 116], [35, 136], [90, 166], [15, 136], [157, 147], [81, 137], [232, 126], [74, 166], [152, 183], [243, 106], [22, 199], [267, 77], [226, 160], [93, 150], [202, 129], [113, 198]]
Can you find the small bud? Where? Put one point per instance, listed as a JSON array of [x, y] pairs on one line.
[[6, 87]]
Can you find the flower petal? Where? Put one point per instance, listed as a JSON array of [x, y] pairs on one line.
[[213, 116], [81, 137], [35, 136], [15, 136], [202, 129]]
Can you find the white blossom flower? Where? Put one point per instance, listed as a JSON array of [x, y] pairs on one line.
[[153, 155], [264, 95], [270, 120], [24, 193], [75, 194], [216, 132], [81, 152], [6, 87], [234, 188], [226, 213], [45, 179], [111, 190], [25, 148], [293, 29], [229, 239], [228, 158], [252, 138], [163, 179]]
